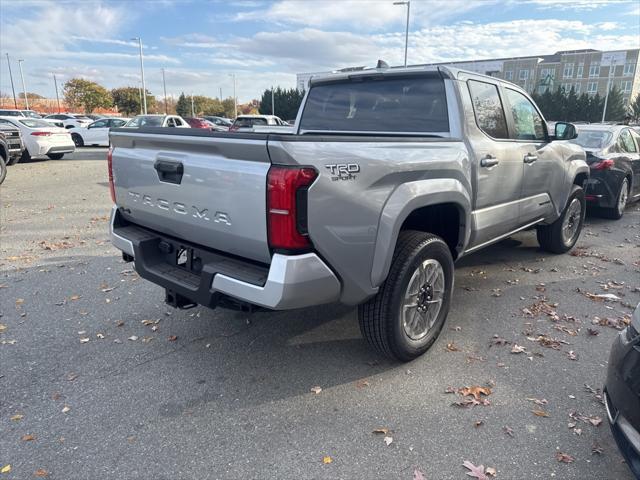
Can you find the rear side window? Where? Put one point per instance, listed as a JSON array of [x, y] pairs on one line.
[[398, 105], [626, 142], [488, 109]]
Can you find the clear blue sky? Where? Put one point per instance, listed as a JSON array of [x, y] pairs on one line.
[[200, 43]]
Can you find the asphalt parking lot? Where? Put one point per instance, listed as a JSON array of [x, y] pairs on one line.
[[99, 379]]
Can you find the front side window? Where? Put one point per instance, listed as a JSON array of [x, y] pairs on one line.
[[488, 109], [393, 104], [626, 142], [117, 123], [99, 124], [527, 121], [11, 113]]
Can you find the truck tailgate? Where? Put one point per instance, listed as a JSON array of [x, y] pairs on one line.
[[208, 188]]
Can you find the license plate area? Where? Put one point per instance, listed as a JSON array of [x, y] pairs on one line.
[[187, 258]]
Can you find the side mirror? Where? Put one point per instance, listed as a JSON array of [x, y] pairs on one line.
[[565, 131]]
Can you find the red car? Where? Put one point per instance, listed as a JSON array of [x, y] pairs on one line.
[[198, 123]]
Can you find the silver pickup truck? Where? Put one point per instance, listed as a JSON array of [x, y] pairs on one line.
[[389, 176]]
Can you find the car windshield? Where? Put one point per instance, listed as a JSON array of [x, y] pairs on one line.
[[593, 139], [11, 113], [30, 114], [250, 122], [145, 122], [35, 123], [400, 104]]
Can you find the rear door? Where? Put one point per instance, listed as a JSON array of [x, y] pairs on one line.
[[207, 190], [544, 173], [635, 187], [498, 166], [97, 133]]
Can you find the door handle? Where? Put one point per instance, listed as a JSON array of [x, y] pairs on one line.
[[530, 158], [489, 161], [169, 171]]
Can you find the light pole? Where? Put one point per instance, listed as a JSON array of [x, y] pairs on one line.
[[144, 88], [193, 111], [406, 33], [612, 68], [15, 102], [55, 84], [164, 86], [24, 88], [140, 91], [235, 99], [273, 102]]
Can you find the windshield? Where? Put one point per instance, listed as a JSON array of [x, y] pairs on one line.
[[30, 114], [35, 123], [145, 122], [11, 113], [592, 139], [407, 104], [250, 122]]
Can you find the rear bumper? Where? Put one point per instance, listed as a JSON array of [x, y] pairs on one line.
[[622, 399], [290, 281], [602, 189]]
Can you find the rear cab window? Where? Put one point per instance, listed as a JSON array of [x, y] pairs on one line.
[[394, 104]]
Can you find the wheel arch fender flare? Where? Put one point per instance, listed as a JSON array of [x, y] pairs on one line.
[[407, 198]]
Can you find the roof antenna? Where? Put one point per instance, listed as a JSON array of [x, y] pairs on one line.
[[382, 64]]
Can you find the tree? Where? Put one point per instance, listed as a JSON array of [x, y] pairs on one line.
[[287, 102], [183, 106], [30, 95], [127, 99], [615, 106], [80, 93], [634, 109]]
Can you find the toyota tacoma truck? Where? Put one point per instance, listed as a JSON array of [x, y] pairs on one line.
[[389, 176]]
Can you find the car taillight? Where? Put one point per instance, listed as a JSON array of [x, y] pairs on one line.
[[287, 206], [112, 189], [41, 134], [602, 165]]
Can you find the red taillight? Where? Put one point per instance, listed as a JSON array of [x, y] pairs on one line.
[[602, 165], [41, 134], [112, 189], [286, 206]]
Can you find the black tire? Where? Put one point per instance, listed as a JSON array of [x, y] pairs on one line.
[[55, 156], [77, 140], [25, 156], [12, 160], [550, 237], [380, 318], [3, 170], [616, 212]]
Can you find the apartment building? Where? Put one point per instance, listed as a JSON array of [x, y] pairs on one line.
[[587, 71]]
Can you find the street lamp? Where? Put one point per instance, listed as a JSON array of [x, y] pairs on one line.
[[612, 68], [24, 88], [164, 86], [235, 99], [144, 88], [406, 33], [55, 84], [15, 102]]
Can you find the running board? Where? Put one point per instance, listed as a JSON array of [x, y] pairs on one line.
[[502, 237]]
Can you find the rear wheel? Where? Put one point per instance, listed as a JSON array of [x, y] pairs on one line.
[[55, 156], [12, 160], [77, 140], [406, 316], [562, 235], [616, 212], [3, 169]]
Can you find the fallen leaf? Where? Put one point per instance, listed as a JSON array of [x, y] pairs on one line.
[[418, 475], [362, 384], [17, 417], [133, 338], [593, 332], [596, 449], [316, 389], [517, 348], [41, 472], [497, 340], [564, 457], [538, 401], [595, 421], [74, 297], [476, 391], [540, 413], [65, 409], [28, 437], [572, 355], [327, 459], [172, 338], [5, 469], [478, 423], [119, 323], [491, 471], [2, 327], [388, 440], [19, 301], [452, 347], [84, 339], [381, 431], [475, 471], [507, 430]]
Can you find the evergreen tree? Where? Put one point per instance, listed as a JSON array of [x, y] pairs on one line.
[[183, 106], [634, 109], [287, 102], [572, 106], [615, 106]]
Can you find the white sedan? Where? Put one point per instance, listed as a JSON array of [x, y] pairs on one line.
[[96, 133], [70, 120], [41, 139]]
